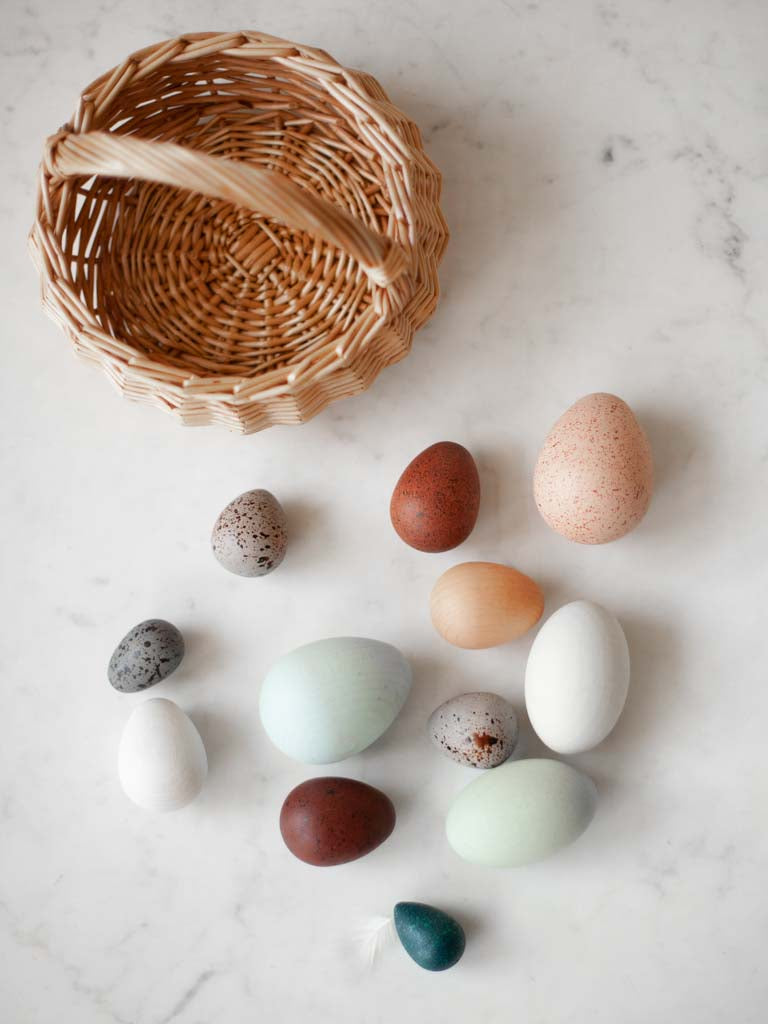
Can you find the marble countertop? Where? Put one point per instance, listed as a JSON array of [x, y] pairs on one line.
[[605, 184]]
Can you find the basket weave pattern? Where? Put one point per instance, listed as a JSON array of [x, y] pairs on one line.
[[238, 229]]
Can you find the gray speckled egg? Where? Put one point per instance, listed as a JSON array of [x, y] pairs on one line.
[[149, 653], [250, 536], [475, 729]]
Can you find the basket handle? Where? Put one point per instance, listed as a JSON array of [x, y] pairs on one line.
[[70, 154]]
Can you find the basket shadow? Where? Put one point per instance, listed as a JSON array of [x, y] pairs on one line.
[[483, 173]]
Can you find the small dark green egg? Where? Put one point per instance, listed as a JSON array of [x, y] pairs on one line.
[[429, 936]]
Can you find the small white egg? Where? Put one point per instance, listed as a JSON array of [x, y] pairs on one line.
[[162, 763]]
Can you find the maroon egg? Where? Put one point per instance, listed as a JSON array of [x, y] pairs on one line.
[[435, 503], [331, 820]]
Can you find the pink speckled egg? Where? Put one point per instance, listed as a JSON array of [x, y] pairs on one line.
[[594, 476]]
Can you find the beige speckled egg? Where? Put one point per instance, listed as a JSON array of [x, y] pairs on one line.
[[475, 729], [250, 536], [594, 476]]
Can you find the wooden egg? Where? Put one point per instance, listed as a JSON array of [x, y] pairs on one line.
[[483, 604]]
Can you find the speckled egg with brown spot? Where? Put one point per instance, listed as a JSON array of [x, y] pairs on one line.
[[475, 729], [250, 535], [594, 476]]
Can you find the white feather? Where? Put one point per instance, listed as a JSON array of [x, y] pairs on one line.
[[373, 937]]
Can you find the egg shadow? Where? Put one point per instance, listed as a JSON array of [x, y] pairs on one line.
[[528, 745], [655, 670], [558, 591], [233, 777], [473, 923], [309, 533], [503, 509], [201, 654], [403, 799], [433, 682], [685, 471]]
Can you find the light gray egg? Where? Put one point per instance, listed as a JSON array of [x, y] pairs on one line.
[[250, 535], [145, 656], [475, 729]]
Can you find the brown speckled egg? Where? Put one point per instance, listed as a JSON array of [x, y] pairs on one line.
[[475, 729], [435, 503], [331, 820], [594, 476], [250, 535]]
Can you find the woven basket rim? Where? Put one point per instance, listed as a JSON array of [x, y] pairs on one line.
[[225, 395]]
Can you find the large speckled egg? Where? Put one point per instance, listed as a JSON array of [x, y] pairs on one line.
[[145, 656], [577, 677], [250, 535], [162, 762], [594, 476], [483, 604], [521, 812], [435, 503], [475, 729], [329, 821], [330, 699]]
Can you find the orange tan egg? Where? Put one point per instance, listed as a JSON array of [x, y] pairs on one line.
[[594, 476], [475, 605]]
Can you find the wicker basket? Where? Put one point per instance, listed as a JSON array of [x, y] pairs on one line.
[[238, 229]]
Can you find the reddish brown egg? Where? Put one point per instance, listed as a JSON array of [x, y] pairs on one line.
[[435, 503], [330, 820]]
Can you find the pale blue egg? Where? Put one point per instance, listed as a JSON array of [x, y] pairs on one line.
[[331, 699], [520, 812]]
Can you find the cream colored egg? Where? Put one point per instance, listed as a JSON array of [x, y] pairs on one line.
[[483, 604], [577, 677], [594, 476]]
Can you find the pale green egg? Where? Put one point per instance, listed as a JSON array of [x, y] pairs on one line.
[[331, 699], [520, 812]]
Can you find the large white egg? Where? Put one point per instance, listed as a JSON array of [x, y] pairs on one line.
[[577, 677], [520, 812], [330, 699], [162, 762]]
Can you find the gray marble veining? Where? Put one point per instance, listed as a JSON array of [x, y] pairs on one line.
[[605, 173]]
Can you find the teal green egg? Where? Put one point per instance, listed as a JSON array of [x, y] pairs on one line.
[[330, 699], [430, 937], [520, 813]]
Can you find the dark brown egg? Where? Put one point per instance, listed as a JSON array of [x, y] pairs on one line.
[[330, 821], [435, 503]]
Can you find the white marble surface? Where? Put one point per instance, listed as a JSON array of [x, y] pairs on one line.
[[605, 182]]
